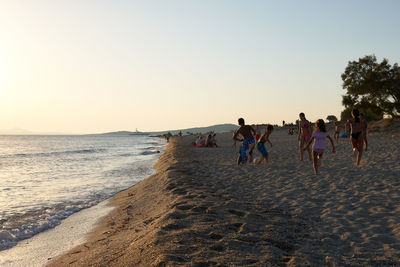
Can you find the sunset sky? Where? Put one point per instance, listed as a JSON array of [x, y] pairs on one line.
[[100, 66]]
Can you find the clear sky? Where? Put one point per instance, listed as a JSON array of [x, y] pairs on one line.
[[98, 66]]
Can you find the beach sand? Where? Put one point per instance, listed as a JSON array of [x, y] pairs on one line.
[[201, 209]]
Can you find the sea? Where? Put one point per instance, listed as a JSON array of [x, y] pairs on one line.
[[45, 179]]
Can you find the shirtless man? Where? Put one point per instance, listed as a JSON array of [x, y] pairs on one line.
[[248, 141], [305, 131], [356, 124]]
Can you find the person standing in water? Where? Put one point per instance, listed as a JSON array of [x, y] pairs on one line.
[[248, 141], [356, 125], [305, 131]]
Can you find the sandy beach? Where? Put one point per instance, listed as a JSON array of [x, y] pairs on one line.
[[201, 209]]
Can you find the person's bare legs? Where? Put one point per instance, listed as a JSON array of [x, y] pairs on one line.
[[251, 149], [354, 146], [301, 145], [306, 140], [360, 150], [265, 160], [315, 162], [309, 153], [320, 159], [366, 142]]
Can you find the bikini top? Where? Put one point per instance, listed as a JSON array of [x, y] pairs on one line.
[[305, 125]]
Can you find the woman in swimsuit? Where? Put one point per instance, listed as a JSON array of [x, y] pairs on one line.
[[304, 136], [357, 131]]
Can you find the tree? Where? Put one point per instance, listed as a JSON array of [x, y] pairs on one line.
[[372, 87], [331, 118]]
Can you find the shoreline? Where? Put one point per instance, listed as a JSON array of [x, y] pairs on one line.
[[132, 219], [70, 231], [39, 249], [200, 208]]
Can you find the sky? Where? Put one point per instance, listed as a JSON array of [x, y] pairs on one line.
[[100, 66]]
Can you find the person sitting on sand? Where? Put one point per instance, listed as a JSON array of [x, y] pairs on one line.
[[261, 145], [365, 131], [304, 135], [319, 145], [248, 141], [337, 132], [200, 141], [207, 142], [213, 140], [356, 125], [210, 140]]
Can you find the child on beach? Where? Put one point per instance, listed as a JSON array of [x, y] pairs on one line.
[[305, 131], [319, 145], [248, 141], [261, 147]]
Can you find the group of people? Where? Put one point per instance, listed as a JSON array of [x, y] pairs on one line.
[[345, 133], [209, 141], [250, 139], [356, 127]]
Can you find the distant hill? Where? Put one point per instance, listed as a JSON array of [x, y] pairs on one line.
[[16, 131], [123, 133], [220, 128]]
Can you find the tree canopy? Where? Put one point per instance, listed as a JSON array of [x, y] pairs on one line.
[[331, 118], [372, 87]]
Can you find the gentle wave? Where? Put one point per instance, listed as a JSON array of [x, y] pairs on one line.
[[21, 227], [150, 152], [55, 153], [70, 184]]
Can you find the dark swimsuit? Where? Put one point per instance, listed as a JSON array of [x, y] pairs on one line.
[[356, 135]]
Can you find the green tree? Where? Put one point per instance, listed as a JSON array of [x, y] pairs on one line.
[[331, 118], [372, 87]]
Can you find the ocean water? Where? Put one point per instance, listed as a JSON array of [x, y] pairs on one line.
[[44, 179]]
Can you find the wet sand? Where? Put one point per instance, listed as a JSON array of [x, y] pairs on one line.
[[201, 209]]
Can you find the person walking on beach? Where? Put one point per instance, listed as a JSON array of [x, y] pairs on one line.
[[356, 125], [365, 129], [337, 132], [304, 135], [319, 138], [261, 145], [248, 141]]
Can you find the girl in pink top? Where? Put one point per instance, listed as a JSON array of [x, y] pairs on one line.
[[319, 136]]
